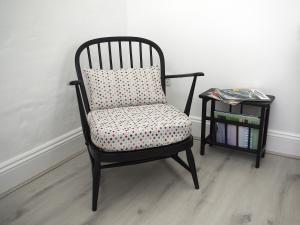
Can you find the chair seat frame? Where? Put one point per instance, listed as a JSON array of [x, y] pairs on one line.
[[124, 158]]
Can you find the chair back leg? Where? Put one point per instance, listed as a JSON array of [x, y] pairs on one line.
[[96, 183], [190, 158]]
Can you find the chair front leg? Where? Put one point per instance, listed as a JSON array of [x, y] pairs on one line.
[[96, 183], [190, 158], [90, 155]]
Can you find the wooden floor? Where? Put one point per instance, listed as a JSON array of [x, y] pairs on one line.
[[232, 192]]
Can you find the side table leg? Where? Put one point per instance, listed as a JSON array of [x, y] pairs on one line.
[[257, 162], [260, 137], [203, 126], [212, 123], [265, 131]]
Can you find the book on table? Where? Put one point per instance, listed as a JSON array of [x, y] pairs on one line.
[[237, 95]]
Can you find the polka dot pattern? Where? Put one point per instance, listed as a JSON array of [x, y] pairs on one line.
[[138, 127], [124, 87]]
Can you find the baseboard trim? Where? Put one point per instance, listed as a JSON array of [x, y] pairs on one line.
[[27, 166], [2, 195], [278, 142]]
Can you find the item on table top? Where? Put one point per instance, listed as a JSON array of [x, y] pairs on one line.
[[235, 96]]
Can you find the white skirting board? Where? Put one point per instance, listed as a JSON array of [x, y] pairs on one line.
[[278, 142], [22, 168], [25, 167]]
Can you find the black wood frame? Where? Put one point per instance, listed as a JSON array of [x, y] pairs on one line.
[[116, 159], [262, 127]]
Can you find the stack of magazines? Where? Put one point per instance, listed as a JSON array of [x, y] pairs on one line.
[[243, 132], [235, 96]]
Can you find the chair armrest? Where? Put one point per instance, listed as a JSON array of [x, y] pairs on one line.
[[198, 74], [82, 110], [191, 93], [75, 82]]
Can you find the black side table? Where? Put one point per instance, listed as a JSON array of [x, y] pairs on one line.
[[262, 127]]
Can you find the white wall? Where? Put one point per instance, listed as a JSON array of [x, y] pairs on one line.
[[38, 40], [236, 43]]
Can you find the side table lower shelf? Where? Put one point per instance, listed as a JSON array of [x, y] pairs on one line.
[[237, 148]]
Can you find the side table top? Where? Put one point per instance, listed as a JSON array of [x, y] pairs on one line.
[[204, 95]]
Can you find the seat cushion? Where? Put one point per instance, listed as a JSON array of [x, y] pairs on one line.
[[138, 127], [124, 87]]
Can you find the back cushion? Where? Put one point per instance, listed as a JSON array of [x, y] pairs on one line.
[[123, 87]]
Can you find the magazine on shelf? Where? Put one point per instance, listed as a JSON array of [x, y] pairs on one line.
[[243, 132], [235, 96]]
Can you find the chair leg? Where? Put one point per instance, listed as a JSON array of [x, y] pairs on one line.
[[190, 158], [263, 154], [96, 184], [91, 158]]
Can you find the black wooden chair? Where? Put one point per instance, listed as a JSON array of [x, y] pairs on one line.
[[99, 119]]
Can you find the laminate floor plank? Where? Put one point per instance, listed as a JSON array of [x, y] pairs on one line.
[[232, 192]]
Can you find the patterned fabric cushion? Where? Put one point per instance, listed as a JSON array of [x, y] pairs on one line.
[[124, 87], [138, 127]]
